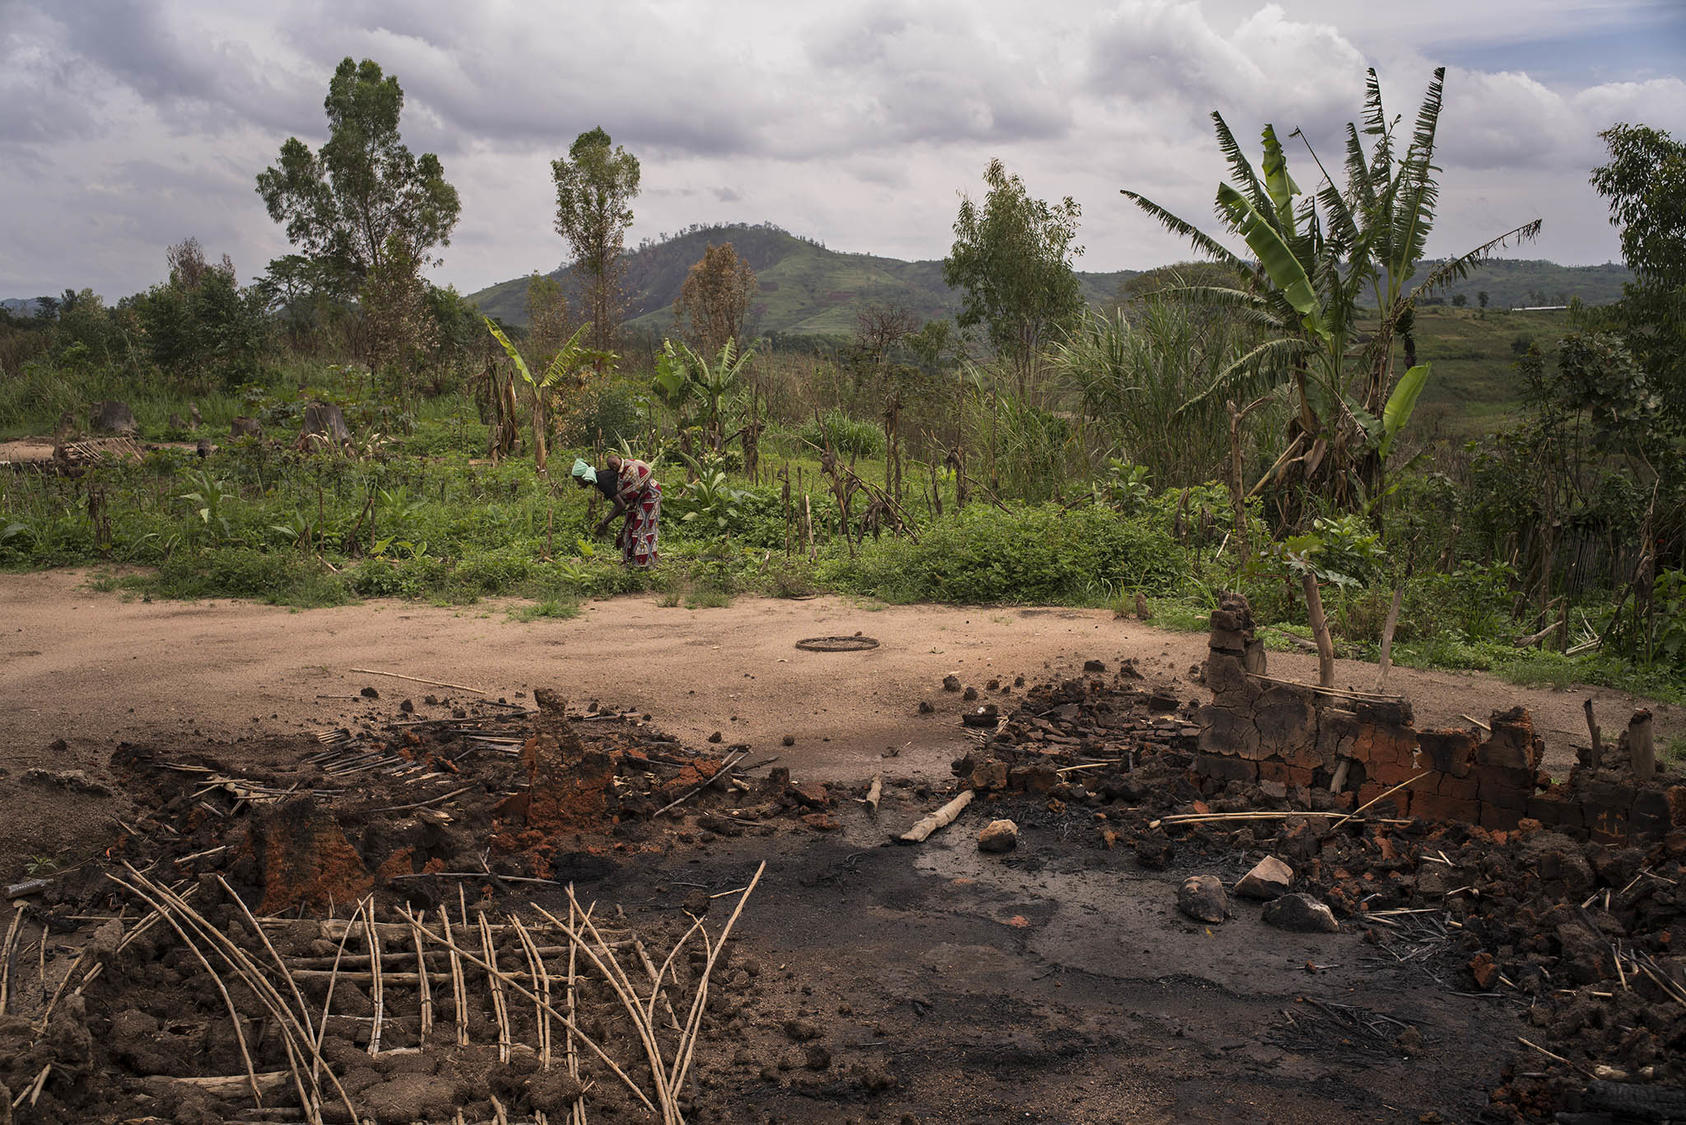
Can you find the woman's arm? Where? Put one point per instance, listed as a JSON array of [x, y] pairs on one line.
[[616, 511]]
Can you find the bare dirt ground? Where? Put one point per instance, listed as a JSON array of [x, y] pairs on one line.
[[93, 668], [865, 983]]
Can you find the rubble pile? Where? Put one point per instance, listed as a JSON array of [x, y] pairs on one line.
[[1462, 862], [341, 927], [1364, 749]]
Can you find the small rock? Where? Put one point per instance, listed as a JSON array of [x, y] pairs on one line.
[[788, 740], [803, 1031], [998, 836], [1484, 969], [1270, 879], [408, 707], [717, 737], [925, 707], [969, 694], [1302, 914], [1094, 666], [817, 1057], [986, 716], [369, 693], [1155, 852], [696, 903], [951, 683], [1409, 1042], [1202, 898]]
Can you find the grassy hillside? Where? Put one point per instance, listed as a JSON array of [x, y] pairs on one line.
[[1474, 385], [805, 288], [1511, 283]]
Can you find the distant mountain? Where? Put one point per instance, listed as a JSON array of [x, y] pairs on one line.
[[19, 306], [1519, 282], [805, 289]]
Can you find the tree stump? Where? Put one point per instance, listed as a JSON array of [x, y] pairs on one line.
[[245, 427], [324, 424], [112, 418]]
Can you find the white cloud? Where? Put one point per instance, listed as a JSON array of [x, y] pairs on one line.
[[131, 125]]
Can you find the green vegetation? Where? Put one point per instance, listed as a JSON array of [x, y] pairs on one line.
[[1240, 424]]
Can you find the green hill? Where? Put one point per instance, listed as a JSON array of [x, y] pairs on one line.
[[805, 288]]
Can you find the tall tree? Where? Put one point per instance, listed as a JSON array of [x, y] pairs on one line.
[[714, 300], [1012, 261], [595, 185], [363, 195], [1645, 182]]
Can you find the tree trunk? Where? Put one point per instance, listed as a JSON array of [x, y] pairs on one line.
[[1319, 630]]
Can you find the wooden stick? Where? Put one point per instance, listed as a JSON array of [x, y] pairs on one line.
[[1374, 696], [584, 1038], [1203, 818], [292, 1032], [459, 994], [541, 984], [1592, 729], [422, 984], [688, 1041], [876, 793], [578, 1112], [719, 775], [494, 980], [628, 996], [1386, 661], [419, 680], [1476, 721], [1381, 796], [1319, 630], [429, 801], [222, 989], [942, 818], [6, 949], [377, 993]]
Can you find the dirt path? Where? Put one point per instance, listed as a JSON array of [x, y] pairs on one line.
[[93, 668]]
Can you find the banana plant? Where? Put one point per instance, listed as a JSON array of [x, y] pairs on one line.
[[568, 365], [1314, 259], [683, 374]]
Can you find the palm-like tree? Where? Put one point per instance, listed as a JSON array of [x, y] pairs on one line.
[[1315, 260]]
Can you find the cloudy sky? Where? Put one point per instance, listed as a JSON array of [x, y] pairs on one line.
[[129, 126]]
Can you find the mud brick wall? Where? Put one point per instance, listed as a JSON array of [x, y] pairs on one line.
[[1290, 739]]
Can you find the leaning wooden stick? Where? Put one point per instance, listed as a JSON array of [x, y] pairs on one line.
[[419, 680], [1383, 795], [942, 818]]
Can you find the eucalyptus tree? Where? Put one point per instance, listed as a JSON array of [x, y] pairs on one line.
[[595, 186], [1317, 261], [1011, 260], [363, 195]]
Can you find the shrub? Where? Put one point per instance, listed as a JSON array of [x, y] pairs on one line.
[[848, 436]]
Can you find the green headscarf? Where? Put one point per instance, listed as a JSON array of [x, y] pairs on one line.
[[584, 471]]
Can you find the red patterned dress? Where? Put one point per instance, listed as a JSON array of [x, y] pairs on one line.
[[638, 490]]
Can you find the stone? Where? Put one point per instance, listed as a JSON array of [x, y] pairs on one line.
[[998, 836], [1269, 879], [1302, 914], [1155, 852], [1202, 897], [951, 683], [1485, 970]]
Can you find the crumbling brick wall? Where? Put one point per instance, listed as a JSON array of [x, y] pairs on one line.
[[1290, 738]]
